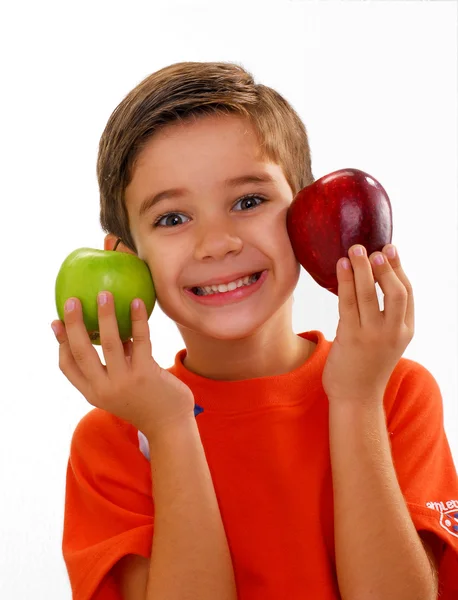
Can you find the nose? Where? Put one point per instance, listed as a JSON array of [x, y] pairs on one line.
[[216, 239]]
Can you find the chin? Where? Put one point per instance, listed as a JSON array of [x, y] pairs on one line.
[[235, 326], [238, 325], [232, 332]]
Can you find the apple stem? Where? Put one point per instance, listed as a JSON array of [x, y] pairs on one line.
[[116, 245]]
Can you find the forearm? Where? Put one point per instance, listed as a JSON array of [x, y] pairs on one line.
[[190, 557], [379, 554]]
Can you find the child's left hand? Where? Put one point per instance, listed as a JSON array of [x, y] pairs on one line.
[[369, 342]]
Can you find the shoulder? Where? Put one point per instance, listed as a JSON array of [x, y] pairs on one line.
[[413, 400], [99, 435], [411, 371], [98, 426], [410, 379]]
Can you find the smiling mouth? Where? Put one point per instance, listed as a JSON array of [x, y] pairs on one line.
[[222, 288]]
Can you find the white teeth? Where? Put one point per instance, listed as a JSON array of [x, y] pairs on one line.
[[225, 287]]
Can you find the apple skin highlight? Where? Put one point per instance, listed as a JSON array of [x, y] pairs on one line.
[[327, 217]]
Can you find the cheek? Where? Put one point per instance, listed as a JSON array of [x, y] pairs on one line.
[[161, 269], [276, 233], [166, 292], [284, 253], [163, 278], [166, 271]]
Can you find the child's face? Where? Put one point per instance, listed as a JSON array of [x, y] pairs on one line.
[[210, 233]]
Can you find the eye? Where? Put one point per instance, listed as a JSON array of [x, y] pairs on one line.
[[250, 201], [170, 220]]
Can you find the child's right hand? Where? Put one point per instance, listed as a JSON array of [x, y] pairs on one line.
[[132, 386]]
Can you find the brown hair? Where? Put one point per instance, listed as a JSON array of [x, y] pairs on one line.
[[186, 90]]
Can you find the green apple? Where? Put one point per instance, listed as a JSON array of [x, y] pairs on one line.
[[87, 271]]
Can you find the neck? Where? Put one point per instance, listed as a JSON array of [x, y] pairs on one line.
[[273, 350]]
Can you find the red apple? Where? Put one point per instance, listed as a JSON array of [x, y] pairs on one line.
[[338, 210]]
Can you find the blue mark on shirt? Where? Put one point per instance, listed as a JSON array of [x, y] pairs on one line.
[[197, 410]]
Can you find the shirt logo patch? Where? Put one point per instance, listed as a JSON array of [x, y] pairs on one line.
[[448, 515], [449, 521]]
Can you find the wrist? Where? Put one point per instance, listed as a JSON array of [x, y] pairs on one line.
[[357, 417], [357, 402], [172, 429]]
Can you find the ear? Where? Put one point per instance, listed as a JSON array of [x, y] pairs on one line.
[[110, 243]]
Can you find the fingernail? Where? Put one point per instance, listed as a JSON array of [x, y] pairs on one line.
[[55, 329], [391, 251], [358, 251], [102, 298], [69, 305]]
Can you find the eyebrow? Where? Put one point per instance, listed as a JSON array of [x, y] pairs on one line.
[[154, 199]]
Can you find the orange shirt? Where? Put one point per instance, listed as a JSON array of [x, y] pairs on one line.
[[267, 446]]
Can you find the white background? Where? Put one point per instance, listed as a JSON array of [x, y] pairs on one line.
[[374, 82]]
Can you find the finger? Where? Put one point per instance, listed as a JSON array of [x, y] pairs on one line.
[[368, 305], [84, 353], [128, 351], [395, 263], [110, 340], [67, 363], [141, 344], [127, 348], [348, 303], [395, 295]]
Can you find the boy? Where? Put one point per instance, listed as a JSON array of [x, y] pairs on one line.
[[263, 464]]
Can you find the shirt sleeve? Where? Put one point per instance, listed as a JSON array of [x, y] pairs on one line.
[[108, 504], [424, 465]]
